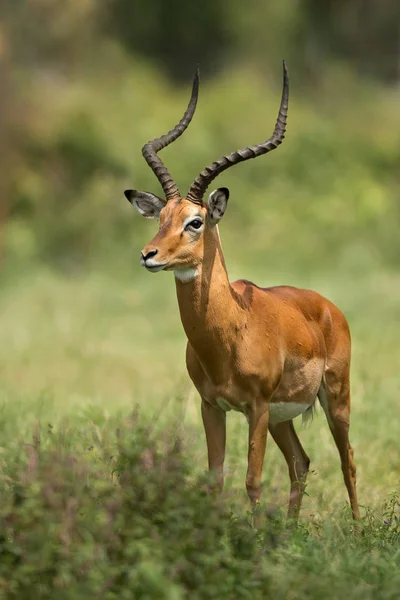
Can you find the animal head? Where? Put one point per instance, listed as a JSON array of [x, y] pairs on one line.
[[187, 223]]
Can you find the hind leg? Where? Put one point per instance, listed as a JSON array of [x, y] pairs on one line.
[[297, 460], [334, 396]]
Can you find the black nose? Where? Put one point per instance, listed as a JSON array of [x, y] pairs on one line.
[[149, 254]]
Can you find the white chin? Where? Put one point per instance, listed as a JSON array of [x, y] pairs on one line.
[[185, 275], [154, 269]]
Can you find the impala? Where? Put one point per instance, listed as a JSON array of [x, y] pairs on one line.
[[266, 352]]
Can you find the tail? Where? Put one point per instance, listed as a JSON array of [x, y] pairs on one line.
[[308, 415]]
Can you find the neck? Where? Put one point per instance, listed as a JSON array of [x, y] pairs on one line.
[[207, 303]]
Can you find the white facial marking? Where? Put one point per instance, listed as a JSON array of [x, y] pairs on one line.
[[186, 275], [152, 265], [154, 268], [285, 411]]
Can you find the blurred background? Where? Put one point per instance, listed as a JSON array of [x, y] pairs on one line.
[[85, 83], [86, 334]]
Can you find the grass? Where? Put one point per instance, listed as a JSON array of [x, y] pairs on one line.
[[89, 513], [79, 353]]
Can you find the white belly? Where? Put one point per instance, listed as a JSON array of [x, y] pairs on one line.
[[278, 411], [285, 411]]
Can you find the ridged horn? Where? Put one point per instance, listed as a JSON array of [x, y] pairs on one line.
[[201, 183], [150, 149]]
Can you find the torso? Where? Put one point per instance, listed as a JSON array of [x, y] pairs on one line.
[[288, 380]]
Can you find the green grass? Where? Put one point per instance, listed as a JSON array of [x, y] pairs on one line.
[[79, 353], [86, 336]]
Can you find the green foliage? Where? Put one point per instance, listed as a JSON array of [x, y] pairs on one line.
[[315, 192], [332, 31], [56, 191], [73, 143], [176, 35], [150, 531], [140, 523], [49, 35], [85, 514]]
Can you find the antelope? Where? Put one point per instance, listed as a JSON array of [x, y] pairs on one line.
[[265, 352]]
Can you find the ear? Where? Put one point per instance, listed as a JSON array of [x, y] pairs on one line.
[[147, 204], [217, 203]]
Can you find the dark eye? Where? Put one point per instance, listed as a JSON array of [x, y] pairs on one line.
[[195, 224]]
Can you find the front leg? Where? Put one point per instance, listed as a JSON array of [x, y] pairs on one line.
[[258, 429], [214, 421]]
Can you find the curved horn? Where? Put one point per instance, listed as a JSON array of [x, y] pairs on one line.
[[150, 149], [201, 183]]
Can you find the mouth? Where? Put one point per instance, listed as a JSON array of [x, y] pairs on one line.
[[153, 267]]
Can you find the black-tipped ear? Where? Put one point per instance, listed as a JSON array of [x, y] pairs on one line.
[[129, 195], [147, 204], [217, 203]]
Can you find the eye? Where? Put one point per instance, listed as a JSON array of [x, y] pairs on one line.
[[195, 224]]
